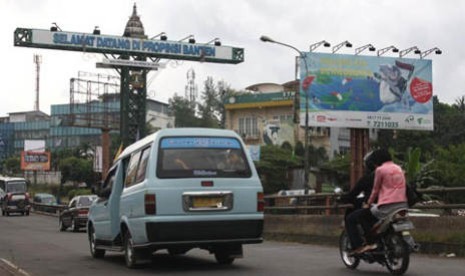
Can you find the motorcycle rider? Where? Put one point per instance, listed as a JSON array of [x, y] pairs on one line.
[[389, 191], [358, 215], [363, 186]]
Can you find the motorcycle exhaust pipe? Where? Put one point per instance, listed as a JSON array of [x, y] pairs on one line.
[[414, 247]]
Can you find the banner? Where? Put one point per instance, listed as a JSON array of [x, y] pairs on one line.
[[355, 91], [35, 161]]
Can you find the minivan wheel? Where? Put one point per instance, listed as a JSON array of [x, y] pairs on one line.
[[134, 257], [94, 251], [129, 252]]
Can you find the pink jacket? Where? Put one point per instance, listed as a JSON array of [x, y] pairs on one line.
[[389, 186]]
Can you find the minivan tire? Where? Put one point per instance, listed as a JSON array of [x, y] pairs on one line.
[[94, 251], [134, 257]]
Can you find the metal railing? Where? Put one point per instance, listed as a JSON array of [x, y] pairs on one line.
[[327, 203], [48, 208]]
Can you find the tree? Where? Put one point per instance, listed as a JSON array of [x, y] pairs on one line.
[[12, 166], [460, 104], [208, 110], [272, 167], [77, 170], [184, 112], [418, 174]]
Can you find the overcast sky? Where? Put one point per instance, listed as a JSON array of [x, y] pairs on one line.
[[239, 23]]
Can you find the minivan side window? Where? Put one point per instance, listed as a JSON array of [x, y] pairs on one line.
[[140, 176], [132, 170], [108, 184]]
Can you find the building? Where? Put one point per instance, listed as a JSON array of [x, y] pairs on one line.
[[268, 113], [64, 129]]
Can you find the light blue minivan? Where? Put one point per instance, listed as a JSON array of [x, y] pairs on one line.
[[179, 189]]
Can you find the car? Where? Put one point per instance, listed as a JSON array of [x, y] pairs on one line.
[[44, 202], [176, 190], [14, 197], [75, 215]]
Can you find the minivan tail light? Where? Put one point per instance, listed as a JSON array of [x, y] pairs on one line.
[[150, 204], [260, 202]]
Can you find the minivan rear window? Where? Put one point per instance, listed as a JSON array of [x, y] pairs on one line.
[[181, 157]]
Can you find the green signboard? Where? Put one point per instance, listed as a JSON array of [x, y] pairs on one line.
[[120, 45]]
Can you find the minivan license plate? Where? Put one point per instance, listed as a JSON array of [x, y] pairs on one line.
[[207, 202]]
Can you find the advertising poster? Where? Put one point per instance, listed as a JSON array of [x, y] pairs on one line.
[[357, 91], [35, 161]]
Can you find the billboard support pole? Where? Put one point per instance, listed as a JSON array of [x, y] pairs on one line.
[[359, 143]]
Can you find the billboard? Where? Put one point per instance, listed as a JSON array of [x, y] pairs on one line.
[[35, 161], [357, 91]]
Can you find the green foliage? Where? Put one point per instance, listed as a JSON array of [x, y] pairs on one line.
[[417, 173], [184, 112], [286, 146], [75, 192], [12, 166], [209, 109], [338, 170], [299, 149], [450, 169], [77, 170], [273, 166]]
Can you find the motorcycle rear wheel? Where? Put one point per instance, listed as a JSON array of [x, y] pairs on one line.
[[397, 254], [350, 262]]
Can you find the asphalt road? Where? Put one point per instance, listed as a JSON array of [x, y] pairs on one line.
[[35, 246]]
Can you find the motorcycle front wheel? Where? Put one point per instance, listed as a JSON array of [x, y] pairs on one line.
[[397, 254], [344, 250]]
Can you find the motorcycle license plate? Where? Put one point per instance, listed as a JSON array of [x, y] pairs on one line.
[[403, 226]]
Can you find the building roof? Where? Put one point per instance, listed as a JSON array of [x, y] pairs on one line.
[[34, 113]]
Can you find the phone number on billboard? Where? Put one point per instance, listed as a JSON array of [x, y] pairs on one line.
[[384, 124]]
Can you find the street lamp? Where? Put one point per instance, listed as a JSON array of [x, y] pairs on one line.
[[216, 41], [339, 46], [162, 36], [190, 38], [384, 50], [318, 44], [408, 50], [370, 48], [306, 153], [436, 50]]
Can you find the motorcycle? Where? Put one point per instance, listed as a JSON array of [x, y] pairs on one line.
[[394, 244]]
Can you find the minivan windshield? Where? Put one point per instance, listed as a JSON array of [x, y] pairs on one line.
[[181, 157], [16, 187]]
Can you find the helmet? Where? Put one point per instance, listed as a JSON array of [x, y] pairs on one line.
[[380, 156], [368, 160]]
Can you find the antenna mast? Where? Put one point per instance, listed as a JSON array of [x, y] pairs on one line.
[[37, 61]]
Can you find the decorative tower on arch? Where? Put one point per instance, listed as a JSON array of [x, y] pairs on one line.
[[133, 87]]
